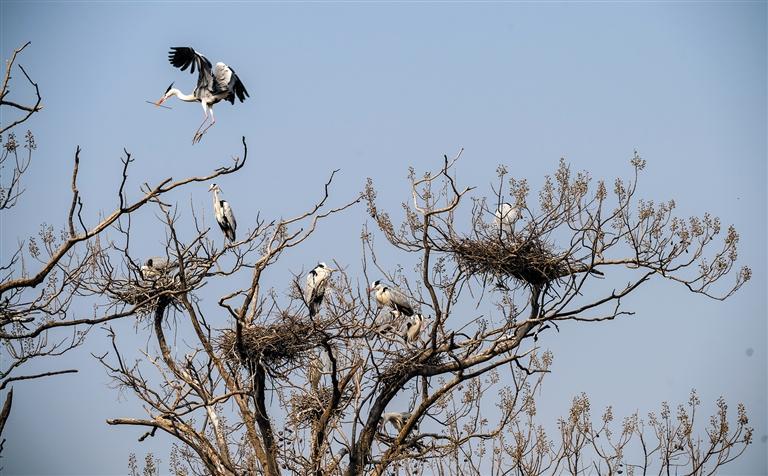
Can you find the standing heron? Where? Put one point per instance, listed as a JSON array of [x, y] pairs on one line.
[[213, 84], [317, 282], [223, 213], [506, 216], [391, 297]]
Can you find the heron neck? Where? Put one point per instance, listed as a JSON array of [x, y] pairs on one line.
[[181, 95]]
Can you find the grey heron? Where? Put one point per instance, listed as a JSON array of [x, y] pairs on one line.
[[413, 327], [315, 371], [317, 282], [156, 267], [223, 213], [396, 419], [387, 320], [214, 84], [391, 297], [506, 216]]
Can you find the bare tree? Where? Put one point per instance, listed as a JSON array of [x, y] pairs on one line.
[[11, 157], [260, 386], [45, 275]]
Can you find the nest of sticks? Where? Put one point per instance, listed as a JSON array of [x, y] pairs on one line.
[[278, 345], [524, 259], [403, 364], [307, 408], [146, 294], [152, 289]]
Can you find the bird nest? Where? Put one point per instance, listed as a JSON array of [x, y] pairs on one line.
[[146, 294], [527, 260], [404, 364], [277, 345], [307, 408]]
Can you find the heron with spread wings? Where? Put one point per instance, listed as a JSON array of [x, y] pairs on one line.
[[214, 84]]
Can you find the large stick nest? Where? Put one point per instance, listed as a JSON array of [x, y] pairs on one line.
[[524, 259], [146, 294], [150, 287], [277, 345], [404, 364], [307, 408]]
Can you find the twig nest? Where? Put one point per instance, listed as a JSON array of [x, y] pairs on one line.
[[277, 345], [147, 294], [524, 259], [307, 408], [405, 363]]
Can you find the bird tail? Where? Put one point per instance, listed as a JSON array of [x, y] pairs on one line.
[[231, 234], [406, 311], [314, 305]]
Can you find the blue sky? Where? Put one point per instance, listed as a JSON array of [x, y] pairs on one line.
[[372, 88]]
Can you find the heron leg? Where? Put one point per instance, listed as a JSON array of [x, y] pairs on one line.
[[213, 121], [196, 138]]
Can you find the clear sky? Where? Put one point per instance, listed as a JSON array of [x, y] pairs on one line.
[[372, 88]]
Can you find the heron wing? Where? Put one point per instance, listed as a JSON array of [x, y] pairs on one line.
[[237, 88], [222, 75], [400, 301], [183, 57], [228, 215], [309, 292], [497, 218]]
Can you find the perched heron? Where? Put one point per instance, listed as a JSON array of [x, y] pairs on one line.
[[223, 213], [387, 320], [391, 297], [315, 371], [317, 282], [413, 327], [506, 216], [213, 84], [156, 267], [396, 419]]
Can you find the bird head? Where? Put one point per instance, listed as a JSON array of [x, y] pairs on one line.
[[168, 93], [214, 187], [325, 267], [375, 285]]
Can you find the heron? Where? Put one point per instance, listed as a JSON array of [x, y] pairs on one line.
[[317, 282], [223, 213], [391, 297], [214, 84], [315, 371], [156, 266], [506, 216], [387, 320], [396, 419], [413, 327]]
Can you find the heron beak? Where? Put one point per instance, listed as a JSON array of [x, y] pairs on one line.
[[160, 101]]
